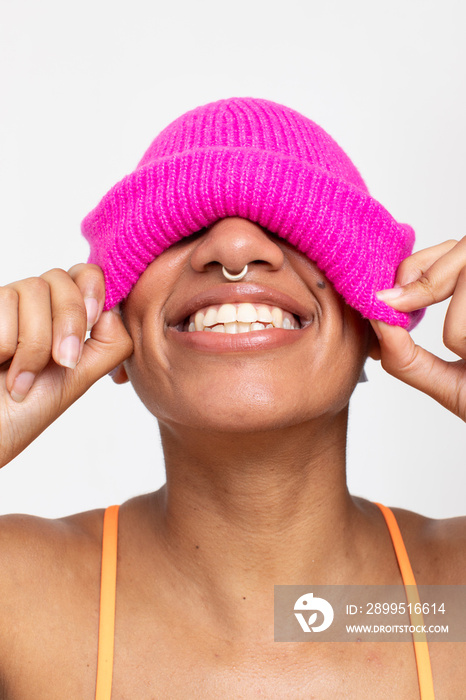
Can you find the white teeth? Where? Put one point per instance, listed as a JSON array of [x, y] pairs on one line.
[[263, 314], [231, 327], [226, 313], [244, 327], [210, 319], [277, 317], [240, 318], [246, 313], [199, 320]]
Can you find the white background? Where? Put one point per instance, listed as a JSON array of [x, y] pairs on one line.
[[85, 87]]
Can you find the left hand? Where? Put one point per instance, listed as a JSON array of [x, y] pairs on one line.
[[428, 277]]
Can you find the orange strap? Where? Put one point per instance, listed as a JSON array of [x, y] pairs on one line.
[[107, 604], [108, 594], [421, 649]]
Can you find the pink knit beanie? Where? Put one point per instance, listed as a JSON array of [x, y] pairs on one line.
[[260, 161]]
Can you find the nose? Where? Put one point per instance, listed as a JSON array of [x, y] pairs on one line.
[[234, 243]]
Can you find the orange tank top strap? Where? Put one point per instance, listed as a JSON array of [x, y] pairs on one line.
[[107, 604], [421, 649], [108, 595]]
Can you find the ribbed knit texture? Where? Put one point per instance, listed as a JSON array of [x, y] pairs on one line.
[[264, 162]]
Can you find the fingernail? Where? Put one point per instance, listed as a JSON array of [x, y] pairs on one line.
[[92, 309], [21, 386], [389, 294], [69, 350]]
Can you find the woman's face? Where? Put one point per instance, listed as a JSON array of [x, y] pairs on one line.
[[256, 380]]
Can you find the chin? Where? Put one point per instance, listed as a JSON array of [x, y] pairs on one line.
[[242, 404], [240, 410], [260, 414]]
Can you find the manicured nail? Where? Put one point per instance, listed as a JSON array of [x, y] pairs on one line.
[[69, 350], [92, 309], [389, 294], [21, 386]]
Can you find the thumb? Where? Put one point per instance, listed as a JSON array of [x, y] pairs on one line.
[[108, 346], [412, 364]]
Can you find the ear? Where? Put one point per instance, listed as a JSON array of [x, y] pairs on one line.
[[119, 375], [373, 350]]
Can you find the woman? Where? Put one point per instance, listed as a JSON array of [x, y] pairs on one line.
[[241, 212]]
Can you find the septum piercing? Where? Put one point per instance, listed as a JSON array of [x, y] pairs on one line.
[[234, 278]]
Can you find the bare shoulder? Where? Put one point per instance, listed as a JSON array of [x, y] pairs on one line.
[[44, 564], [436, 548], [34, 549], [27, 541]]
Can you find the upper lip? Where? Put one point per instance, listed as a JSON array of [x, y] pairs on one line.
[[241, 293]]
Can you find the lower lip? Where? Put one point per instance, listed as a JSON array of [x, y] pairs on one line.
[[238, 342]]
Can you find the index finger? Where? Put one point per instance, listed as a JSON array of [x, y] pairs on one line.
[[89, 279], [435, 284], [412, 267]]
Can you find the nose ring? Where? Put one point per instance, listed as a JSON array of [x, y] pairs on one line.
[[234, 278]]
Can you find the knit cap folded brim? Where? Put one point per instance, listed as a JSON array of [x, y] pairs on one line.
[[263, 162]]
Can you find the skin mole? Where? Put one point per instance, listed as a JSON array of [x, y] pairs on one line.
[[321, 284]]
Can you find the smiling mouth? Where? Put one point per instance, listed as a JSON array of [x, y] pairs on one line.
[[237, 318]]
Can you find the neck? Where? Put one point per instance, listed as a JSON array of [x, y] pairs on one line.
[[275, 502], [241, 513]]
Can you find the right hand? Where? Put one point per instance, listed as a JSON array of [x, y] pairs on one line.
[[425, 278], [45, 362]]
